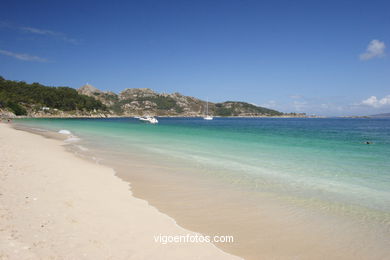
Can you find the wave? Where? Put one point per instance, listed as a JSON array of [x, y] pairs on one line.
[[64, 132], [82, 148], [39, 129], [72, 139]]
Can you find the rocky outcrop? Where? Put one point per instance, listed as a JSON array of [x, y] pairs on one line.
[[5, 113], [145, 101], [137, 93], [108, 98], [88, 90]]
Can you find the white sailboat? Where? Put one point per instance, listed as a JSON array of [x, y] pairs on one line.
[[207, 116]]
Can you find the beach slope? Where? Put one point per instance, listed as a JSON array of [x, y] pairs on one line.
[[54, 205]]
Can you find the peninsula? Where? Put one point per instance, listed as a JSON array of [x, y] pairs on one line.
[[18, 98]]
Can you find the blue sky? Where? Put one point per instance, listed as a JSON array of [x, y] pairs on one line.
[[324, 57]]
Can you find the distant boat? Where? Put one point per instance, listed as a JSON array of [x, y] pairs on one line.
[[207, 116], [149, 119]]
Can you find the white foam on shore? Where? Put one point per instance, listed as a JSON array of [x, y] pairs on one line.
[[65, 132], [39, 129], [82, 148], [72, 139]]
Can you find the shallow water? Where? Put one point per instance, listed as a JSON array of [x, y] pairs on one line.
[[284, 188]]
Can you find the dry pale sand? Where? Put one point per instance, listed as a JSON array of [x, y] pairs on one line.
[[54, 205]]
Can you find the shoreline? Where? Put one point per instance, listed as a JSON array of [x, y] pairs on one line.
[[108, 116], [84, 212], [181, 116], [269, 229]]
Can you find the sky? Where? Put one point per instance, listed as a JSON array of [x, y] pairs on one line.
[[319, 57]]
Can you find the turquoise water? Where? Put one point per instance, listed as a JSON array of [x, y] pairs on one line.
[[307, 187], [322, 159]]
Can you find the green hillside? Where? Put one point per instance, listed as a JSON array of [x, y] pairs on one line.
[[236, 108], [18, 96]]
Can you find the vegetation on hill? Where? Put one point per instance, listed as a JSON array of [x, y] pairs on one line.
[[234, 108], [17, 96], [38, 100], [141, 101], [162, 102]]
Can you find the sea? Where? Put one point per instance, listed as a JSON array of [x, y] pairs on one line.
[[285, 188]]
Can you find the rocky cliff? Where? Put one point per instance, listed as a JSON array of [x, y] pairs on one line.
[[145, 101]]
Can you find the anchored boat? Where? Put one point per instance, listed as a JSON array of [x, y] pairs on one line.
[[149, 119]]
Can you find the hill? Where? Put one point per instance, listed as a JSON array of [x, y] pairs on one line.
[[142, 101], [35, 99]]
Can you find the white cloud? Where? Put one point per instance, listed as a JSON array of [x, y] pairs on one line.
[[58, 35], [325, 106], [21, 56], [373, 101], [270, 104], [299, 105], [32, 30], [38, 31], [375, 49], [296, 96]]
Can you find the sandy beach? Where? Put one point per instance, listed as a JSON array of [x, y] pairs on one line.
[[54, 205]]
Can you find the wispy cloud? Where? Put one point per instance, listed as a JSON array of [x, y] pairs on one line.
[[375, 49], [296, 96], [269, 104], [22, 56], [373, 101], [300, 106], [39, 31], [57, 35]]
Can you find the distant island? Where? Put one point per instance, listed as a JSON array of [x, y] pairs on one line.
[[381, 115], [384, 115], [18, 98]]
